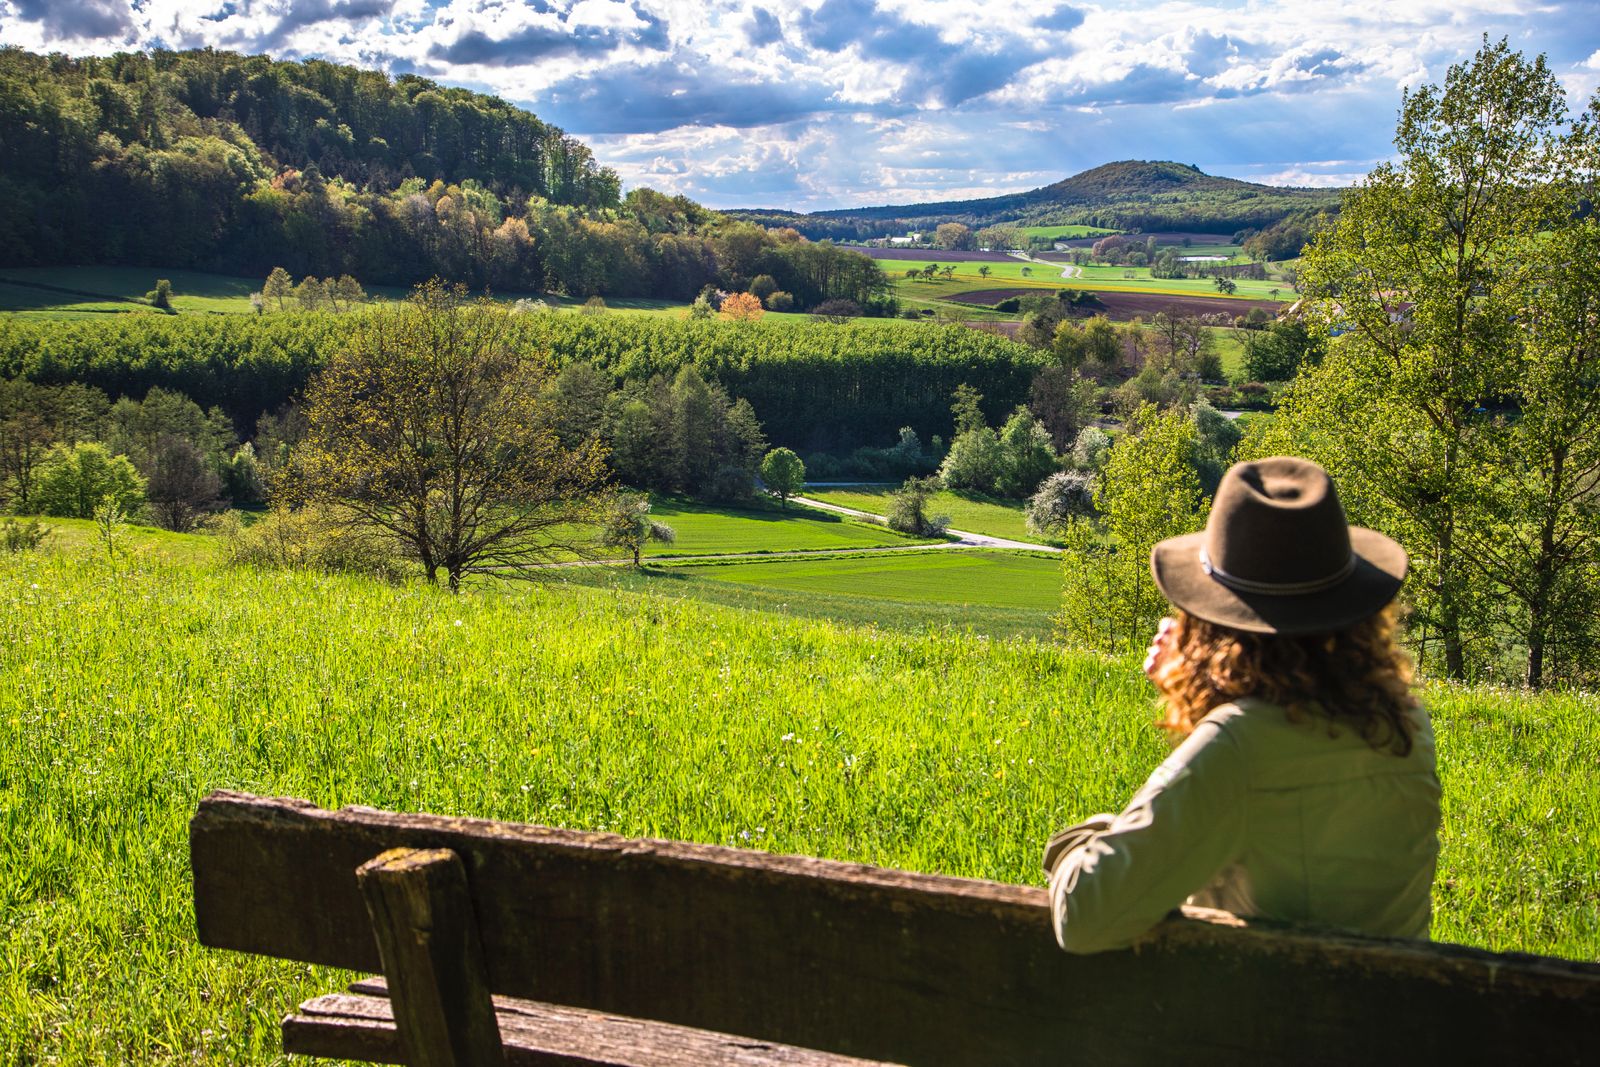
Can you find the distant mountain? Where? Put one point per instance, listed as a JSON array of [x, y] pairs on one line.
[[1125, 195]]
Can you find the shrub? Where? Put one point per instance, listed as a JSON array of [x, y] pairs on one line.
[[837, 311], [23, 536], [908, 509], [595, 305], [975, 461], [780, 301], [731, 483], [72, 482], [763, 286], [161, 296], [312, 538], [182, 486]]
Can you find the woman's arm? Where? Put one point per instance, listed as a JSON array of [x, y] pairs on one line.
[[1184, 826]]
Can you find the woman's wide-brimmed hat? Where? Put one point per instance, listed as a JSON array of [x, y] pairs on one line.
[[1278, 556]]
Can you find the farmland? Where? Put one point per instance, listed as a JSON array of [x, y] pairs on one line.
[[967, 511], [141, 685], [704, 529]]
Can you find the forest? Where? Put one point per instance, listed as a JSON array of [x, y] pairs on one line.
[[239, 164]]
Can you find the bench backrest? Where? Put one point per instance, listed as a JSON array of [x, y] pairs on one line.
[[870, 962]]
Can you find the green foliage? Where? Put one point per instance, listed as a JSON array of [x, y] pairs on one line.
[[783, 472], [1027, 455], [1276, 353], [975, 461], [816, 389], [18, 536], [625, 523], [1091, 448], [1461, 278], [160, 297], [74, 482], [1147, 493], [314, 538], [428, 430], [908, 509]]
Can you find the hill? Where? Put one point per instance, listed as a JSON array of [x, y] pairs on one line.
[[231, 164], [1125, 195]]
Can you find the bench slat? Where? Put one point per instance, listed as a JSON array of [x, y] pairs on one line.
[[360, 1025], [875, 963]]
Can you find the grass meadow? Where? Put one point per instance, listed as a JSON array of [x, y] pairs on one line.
[[714, 529], [968, 511], [139, 684]]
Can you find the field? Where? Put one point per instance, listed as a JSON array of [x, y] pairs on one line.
[[982, 579], [137, 687], [706, 530], [968, 511], [94, 292], [1067, 232]]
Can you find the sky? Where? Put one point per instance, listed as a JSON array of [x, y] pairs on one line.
[[817, 104]]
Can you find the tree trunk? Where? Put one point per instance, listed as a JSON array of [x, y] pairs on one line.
[[636, 551]]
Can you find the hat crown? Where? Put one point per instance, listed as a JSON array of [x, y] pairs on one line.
[[1277, 526]]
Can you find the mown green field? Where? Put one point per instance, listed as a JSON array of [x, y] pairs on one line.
[[704, 529], [944, 576], [136, 687], [967, 511], [1050, 277]]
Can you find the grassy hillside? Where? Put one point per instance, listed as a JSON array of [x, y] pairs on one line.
[[136, 688]]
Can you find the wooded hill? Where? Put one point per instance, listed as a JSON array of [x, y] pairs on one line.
[[1126, 195], [237, 164]]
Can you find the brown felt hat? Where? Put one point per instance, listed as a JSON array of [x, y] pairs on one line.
[[1278, 556]]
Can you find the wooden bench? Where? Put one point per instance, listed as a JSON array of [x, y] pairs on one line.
[[520, 944]]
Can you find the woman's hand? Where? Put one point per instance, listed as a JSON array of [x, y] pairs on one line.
[[1161, 647]]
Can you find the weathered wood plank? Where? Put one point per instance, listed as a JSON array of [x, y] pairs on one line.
[[362, 1027], [423, 920], [877, 963]]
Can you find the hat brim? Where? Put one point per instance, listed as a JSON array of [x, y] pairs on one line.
[[1379, 572]]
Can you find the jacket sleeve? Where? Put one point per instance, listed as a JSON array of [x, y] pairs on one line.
[[1184, 826]]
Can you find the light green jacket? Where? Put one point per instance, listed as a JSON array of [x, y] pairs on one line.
[[1260, 816]]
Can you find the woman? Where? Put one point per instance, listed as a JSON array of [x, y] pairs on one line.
[[1304, 787]]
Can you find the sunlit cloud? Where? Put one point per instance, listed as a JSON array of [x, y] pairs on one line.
[[821, 103]]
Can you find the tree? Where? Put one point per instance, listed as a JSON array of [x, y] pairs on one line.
[[346, 293], [780, 301], [975, 461], [837, 312], [72, 482], [784, 474], [279, 286], [626, 524], [1147, 493], [311, 293], [1426, 273], [1026, 455], [1225, 285], [953, 236], [182, 486], [428, 428], [763, 286], [983, 271], [908, 509], [1062, 498], [161, 296], [742, 307]]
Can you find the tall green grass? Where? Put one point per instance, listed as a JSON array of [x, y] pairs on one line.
[[133, 688]]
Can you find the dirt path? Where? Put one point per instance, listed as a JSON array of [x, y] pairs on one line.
[[1068, 270], [963, 538]]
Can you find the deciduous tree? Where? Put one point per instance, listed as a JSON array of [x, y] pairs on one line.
[[428, 428], [784, 474]]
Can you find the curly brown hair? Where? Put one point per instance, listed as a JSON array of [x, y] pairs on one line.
[[1357, 676]]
